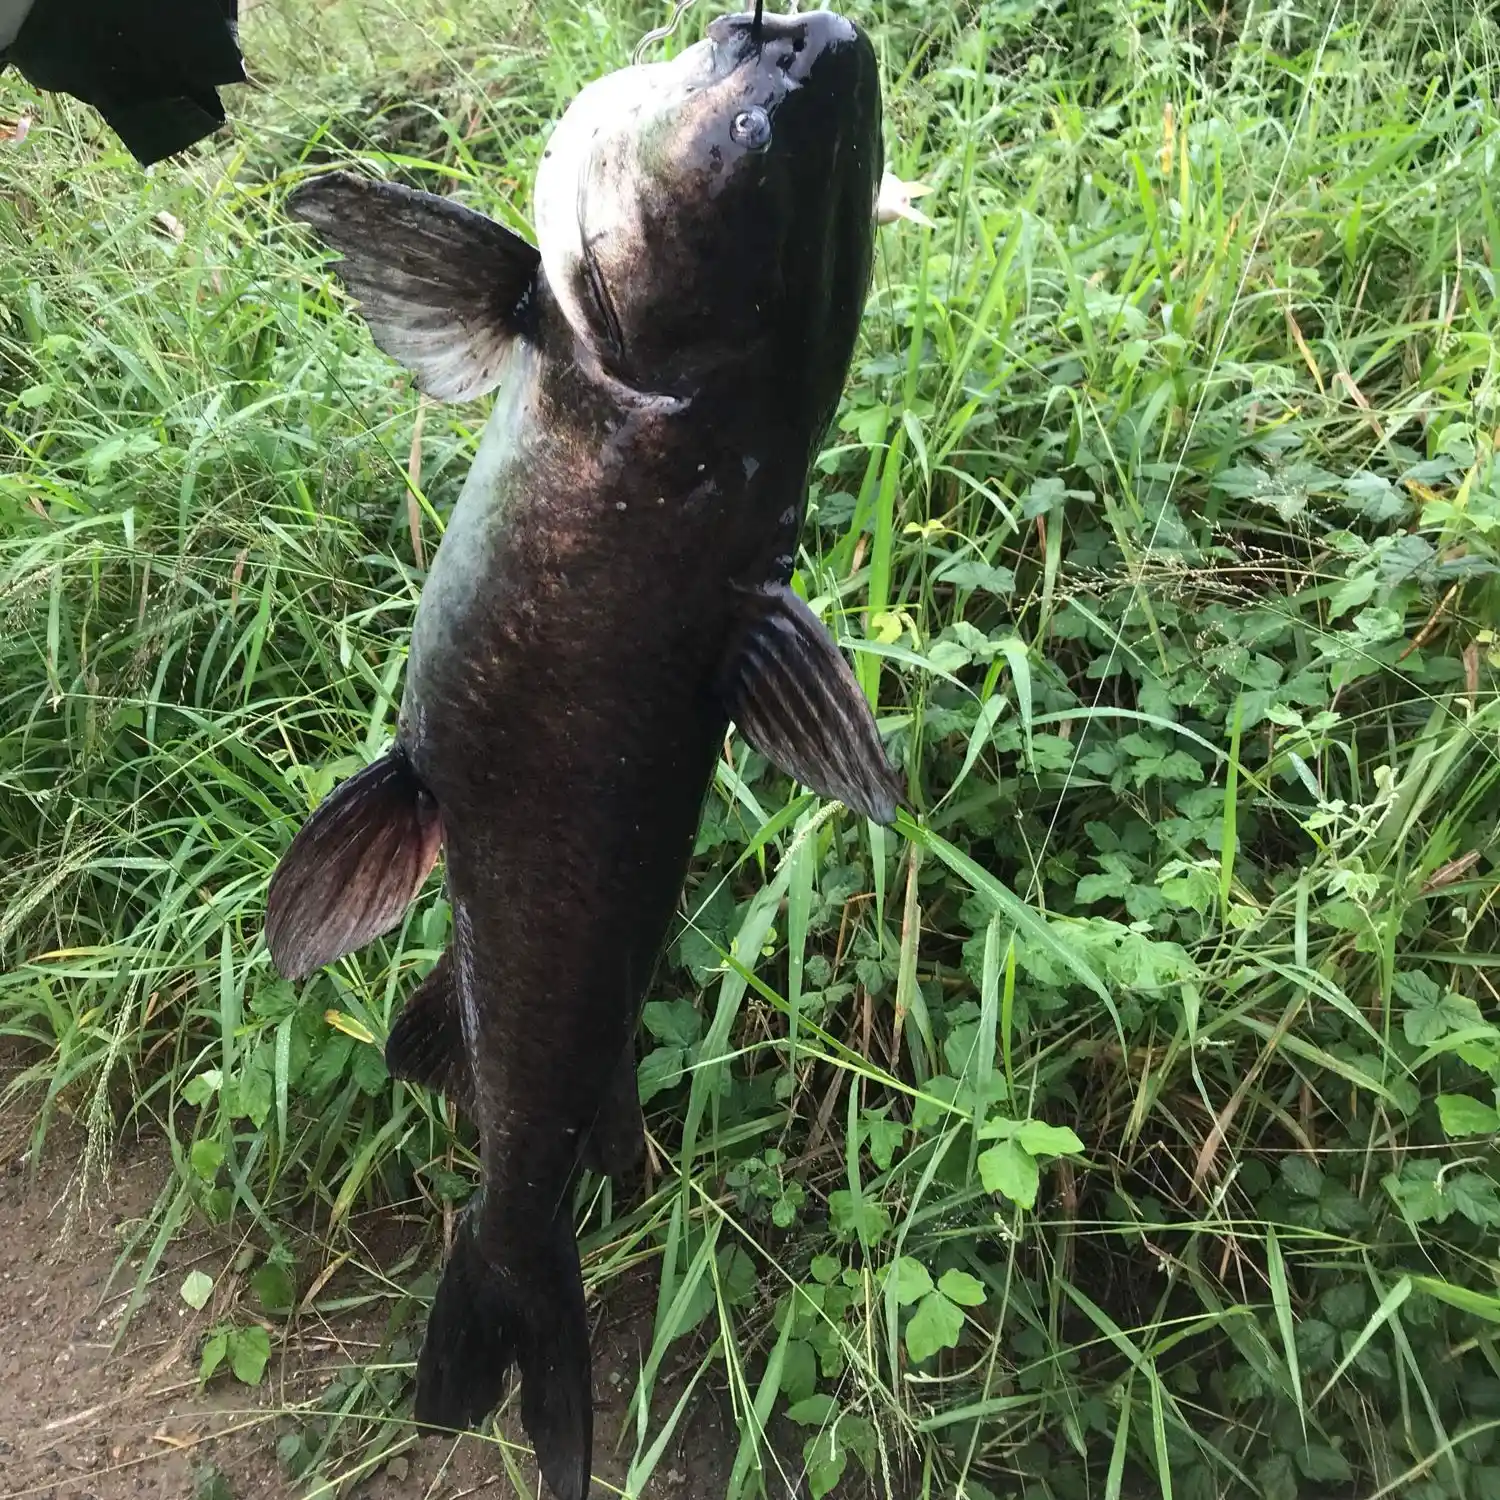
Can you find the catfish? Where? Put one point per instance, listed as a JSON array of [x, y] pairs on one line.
[[612, 590]]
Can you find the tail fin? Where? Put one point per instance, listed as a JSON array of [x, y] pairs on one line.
[[528, 1311], [353, 868]]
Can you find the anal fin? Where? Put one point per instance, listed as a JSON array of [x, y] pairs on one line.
[[353, 868], [426, 1045], [787, 686]]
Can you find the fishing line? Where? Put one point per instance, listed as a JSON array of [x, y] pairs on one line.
[[661, 33]]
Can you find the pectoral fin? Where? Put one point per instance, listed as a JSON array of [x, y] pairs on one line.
[[444, 289], [426, 1045], [790, 691], [353, 868]]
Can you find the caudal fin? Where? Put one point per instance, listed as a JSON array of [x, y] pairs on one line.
[[353, 868], [529, 1311]]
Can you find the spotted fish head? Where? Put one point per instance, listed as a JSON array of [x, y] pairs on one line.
[[693, 212]]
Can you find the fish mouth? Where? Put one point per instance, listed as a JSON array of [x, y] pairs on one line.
[[789, 45]]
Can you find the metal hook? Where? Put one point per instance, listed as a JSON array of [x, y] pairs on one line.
[[660, 33]]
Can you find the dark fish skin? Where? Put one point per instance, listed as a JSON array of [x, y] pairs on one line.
[[152, 68], [611, 589]]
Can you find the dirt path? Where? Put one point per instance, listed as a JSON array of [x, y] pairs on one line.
[[82, 1421]]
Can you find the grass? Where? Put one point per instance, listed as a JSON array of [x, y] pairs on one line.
[[1125, 1124]]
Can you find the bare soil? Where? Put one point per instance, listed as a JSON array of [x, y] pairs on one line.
[[82, 1420]]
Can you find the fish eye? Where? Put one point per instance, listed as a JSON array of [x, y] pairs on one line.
[[751, 128]]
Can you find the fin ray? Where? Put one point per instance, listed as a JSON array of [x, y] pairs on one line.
[[792, 694], [442, 288], [353, 868]]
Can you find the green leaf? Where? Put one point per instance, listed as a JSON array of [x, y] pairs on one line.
[[215, 1347], [249, 1353], [1473, 1195], [1431, 1013], [367, 1068], [814, 1411], [1278, 1479], [197, 1288], [659, 1070], [911, 1279], [207, 1157], [883, 1137], [209, 1483], [330, 1058], [863, 1218], [677, 1023], [935, 1325], [1113, 886], [824, 1460], [273, 1285], [1324, 1464], [1480, 1304], [1304, 1177], [1418, 1192], [799, 1370], [826, 1268], [197, 1090], [1344, 1304], [960, 1287], [1462, 1115], [1041, 1139], [1008, 1169]]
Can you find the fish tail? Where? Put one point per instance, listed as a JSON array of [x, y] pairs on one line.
[[528, 1310]]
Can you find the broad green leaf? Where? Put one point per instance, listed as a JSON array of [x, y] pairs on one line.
[[659, 1070], [197, 1090], [824, 1459], [207, 1157], [1418, 1192], [197, 1288], [813, 1411], [677, 1023], [1473, 1195], [1324, 1464], [825, 1268], [799, 1370], [1041, 1139], [1010, 1170], [911, 1279], [960, 1287], [215, 1347], [249, 1352], [936, 1324], [273, 1286], [1462, 1115]]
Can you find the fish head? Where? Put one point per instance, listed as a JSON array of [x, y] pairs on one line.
[[719, 207]]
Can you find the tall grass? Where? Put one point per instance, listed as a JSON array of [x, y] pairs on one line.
[[1125, 1123]]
